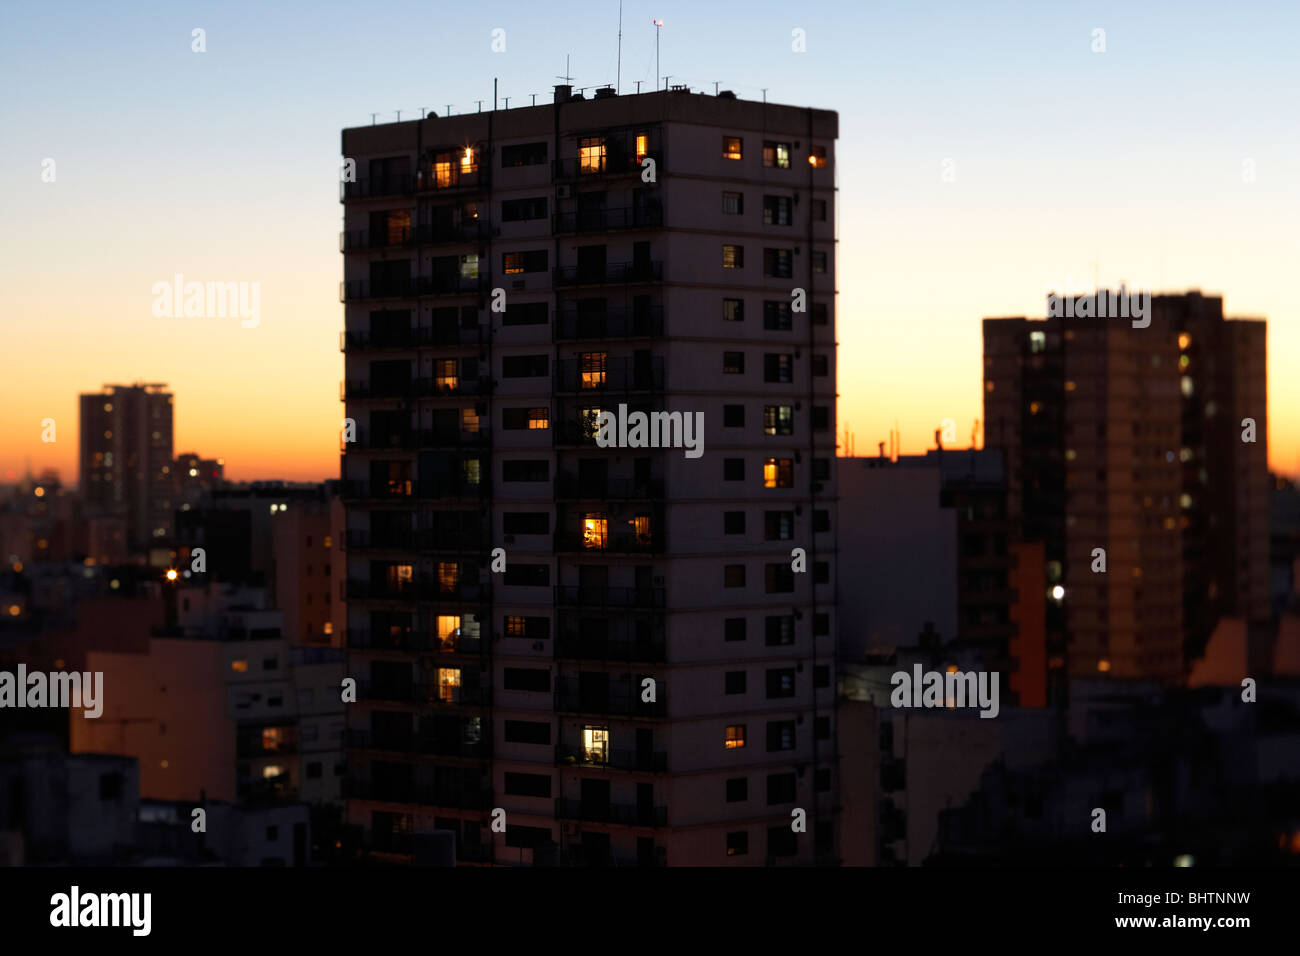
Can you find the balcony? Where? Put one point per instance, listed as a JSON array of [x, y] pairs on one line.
[[363, 240], [427, 489], [420, 744], [571, 325], [359, 788], [365, 639], [619, 375], [569, 485], [366, 340], [422, 591], [618, 813], [582, 596], [617, 273], [374, 187], [615, 698], [574, 646], [606, 220], [424, 692], [653, 761], [357, 290], [617, 542], [356, 389], [456, 177], [615, 162], [368, 440]]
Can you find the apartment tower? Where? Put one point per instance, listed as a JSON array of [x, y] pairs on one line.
[[628, 651]]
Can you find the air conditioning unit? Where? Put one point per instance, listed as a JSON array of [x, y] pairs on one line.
[[564, 191]]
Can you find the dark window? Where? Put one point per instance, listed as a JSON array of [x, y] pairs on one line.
[[733, 363], [524, 419], [821, 470], [821, 418], [524, 313], [530, 628], [778, 579], [780, 682], [314, 770], [528, 732], [776, 315], [525, 470], [526, 522], [526, 678], [733, 416], [733, 522], [779, 629], [822, 779], [734, 629], [733, 469], [737, 789], [820, 313], [819, 210], [778, 525], [733, 310], [780, 788], [110, 786], [523, 154], [733, 204], [781, 840], [734, 682], [528, 575], [523, 366], [518, 210], [776, 210], [528, 784], [821, 624], [780, 735], [778, 263], [819, 262], [733, 576], [822, 675], [821, 365], [821, 572], [822, 728], [737, 843], [777, 367]]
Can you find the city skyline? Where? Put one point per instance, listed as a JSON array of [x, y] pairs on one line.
[[954, 204]]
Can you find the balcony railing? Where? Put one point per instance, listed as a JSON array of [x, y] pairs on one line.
[[413, 338], [599, 648], [429, 591], [420, 794], [406, 539], [614, 698], [644, 761], [425, 692], [570, 485], [372, 187], [571, 325], [423, 438], [365, 639], [356, 290], [605, 220], [427, 489], [618, 375], [583, 596], [420, 744], [615, 162], [609, 274], [618, 542], [619, 813], [428, 180], [360, 240], [356, 389]]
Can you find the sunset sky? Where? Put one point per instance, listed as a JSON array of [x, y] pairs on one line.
[[1070, 168]]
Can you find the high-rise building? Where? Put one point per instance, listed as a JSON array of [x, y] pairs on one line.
[[644, 673], [1128, 448], [126, 460]]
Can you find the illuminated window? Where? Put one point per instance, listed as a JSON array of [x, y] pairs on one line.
[[778, 420], [735, 737], [329, 541], [589, 422], [732, 147], [591, 153], [449, 684], [445, 377], [469, 212], [733, 257], [448, 629], [1070, 386], [448, 575], [1187, 386], [469, 420], [592, 366], [442, 171], [817, 158], [467, 163], [1034, 407], [472, 471], [1183, 362], [595, 528], [642, 146], [399, 227], [400, 574], [239, 667], [328, 628], [595, 744], [1037, 342], [1184, 340], [469, 266], [539, 418], [778, 473], [108, 406], [516, 626], [513, 263], [269, 772], [272, 738], [776, 155]]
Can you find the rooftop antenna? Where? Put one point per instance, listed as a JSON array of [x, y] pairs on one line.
[[765, 89], [448, 113], [372, 118], [480, 105], [566, 78], [715, 87], [618, 77], [399, 116], [666, 79], [658, 24]]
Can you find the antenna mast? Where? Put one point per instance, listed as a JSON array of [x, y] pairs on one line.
[[618, 77]]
